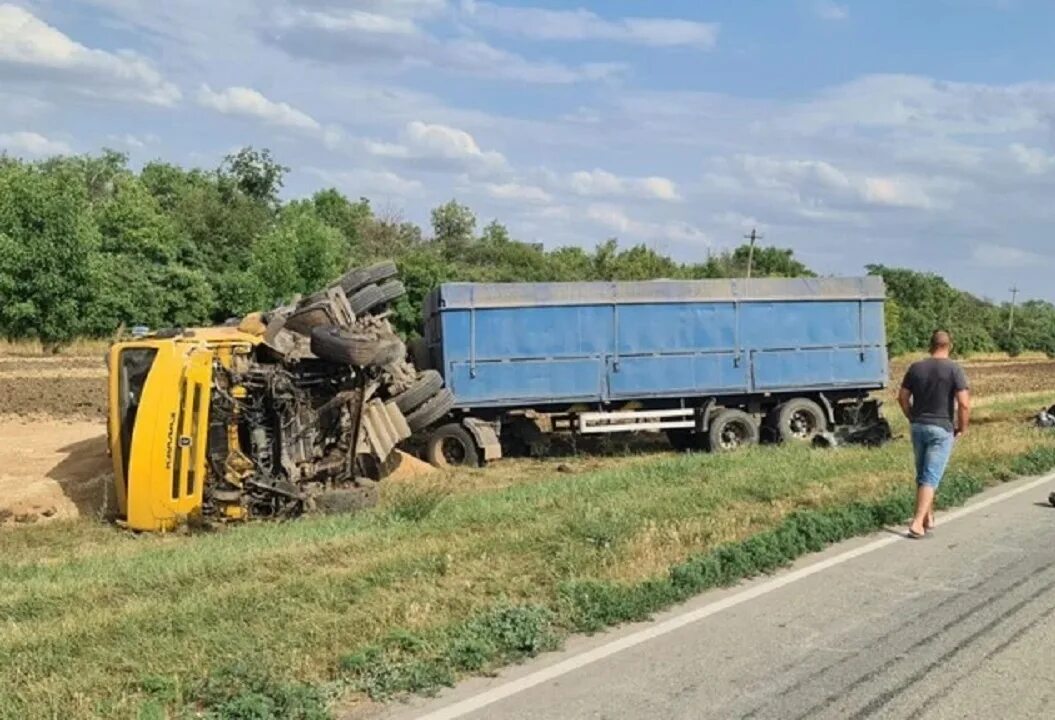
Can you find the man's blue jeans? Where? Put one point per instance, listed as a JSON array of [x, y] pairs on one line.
[[933, 447]]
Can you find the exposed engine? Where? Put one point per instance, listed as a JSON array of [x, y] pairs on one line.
[[284, 439]]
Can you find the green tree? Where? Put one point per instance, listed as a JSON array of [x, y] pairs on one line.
[[300, 255], [769, 262], [346, 217], [46, 239], [254, 173], [453, 227]]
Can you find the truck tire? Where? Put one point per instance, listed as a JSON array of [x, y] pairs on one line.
[[799, 421], [427, 384], [357, 279], [732, 430], [452, 446], [344, 347], [373, 296], [432, 411]]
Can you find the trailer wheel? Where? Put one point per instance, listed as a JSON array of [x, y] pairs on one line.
[[800, 420], [432, 411], [427, 384], [344, 347], [373, 296], [732, 430], [357, 279], [452, 446]]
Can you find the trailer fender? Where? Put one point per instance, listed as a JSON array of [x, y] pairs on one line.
[[829, 409], [486, 438], [704, 418]]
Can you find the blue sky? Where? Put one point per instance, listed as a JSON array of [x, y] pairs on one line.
[[907, 132]]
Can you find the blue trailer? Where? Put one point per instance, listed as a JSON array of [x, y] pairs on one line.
[[715, 364]]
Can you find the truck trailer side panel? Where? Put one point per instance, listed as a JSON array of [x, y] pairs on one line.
[[530, 345]]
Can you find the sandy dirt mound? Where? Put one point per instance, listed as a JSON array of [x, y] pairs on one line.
[[409, 467], [51, 470]]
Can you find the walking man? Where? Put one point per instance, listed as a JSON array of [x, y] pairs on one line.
[[936, 399]]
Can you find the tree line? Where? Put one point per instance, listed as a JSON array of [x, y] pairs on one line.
[[89, 245]]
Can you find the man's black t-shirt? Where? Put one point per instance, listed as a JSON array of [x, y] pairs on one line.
[[934, 383]]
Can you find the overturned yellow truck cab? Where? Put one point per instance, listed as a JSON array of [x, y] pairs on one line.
[[281, 414]]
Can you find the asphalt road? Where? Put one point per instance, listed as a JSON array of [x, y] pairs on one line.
[[959, 625]]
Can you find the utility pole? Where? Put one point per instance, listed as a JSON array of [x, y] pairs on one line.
[[1011, 319], [753, 237]]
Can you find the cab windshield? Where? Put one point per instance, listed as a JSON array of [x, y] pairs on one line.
[[134, 367]]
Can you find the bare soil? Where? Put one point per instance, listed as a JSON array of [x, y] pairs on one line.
[[59, 396], [50, 469]]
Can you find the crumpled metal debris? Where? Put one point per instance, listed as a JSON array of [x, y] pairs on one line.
[[1045, 418], [872, 434]]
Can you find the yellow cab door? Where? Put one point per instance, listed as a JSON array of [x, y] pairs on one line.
[[166, 464]]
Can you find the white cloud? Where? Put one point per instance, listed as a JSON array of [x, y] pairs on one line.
[[20, 107], [1004, 256], [246, 102], [385, 182], [404, 8], [394, 37], [815, 183], [601, 183], [25, 143], [136, 142], [475, 57], [828, 10], [921, 104], [582, 24], [372, 183], [660, 187], [615, 218], [1033, 160], [348, 21], [445, 141], [30, 49], [596, 183], [896, 192], [384, 149], [518, 193], [434, 143], [612, 217]]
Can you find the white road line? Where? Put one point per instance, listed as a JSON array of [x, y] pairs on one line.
[[514, 687]]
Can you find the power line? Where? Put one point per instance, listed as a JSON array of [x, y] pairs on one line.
[[753, 237], [1011, 319]]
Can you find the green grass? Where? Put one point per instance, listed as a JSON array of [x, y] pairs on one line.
[[451, 576]]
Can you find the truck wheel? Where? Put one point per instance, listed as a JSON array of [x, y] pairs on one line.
[[732, 430], [427, 384], [359, 278], [373, 296], [452, 446], [432, 411], [344, 347], [799, 420]]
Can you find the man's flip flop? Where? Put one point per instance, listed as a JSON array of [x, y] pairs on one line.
[[913, 535]]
